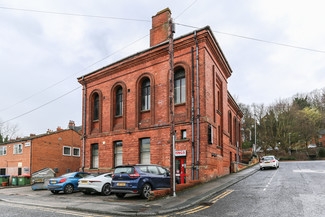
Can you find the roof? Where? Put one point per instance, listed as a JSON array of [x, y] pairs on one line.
[[37, 136], [206, 28]]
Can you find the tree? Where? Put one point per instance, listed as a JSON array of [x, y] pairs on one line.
[[308, 122], [7, 131]]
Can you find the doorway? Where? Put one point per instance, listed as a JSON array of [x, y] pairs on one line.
[[180, 170]]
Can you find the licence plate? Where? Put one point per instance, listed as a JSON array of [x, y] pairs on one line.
[[121, 184], [267, 162], [53, 182], [84, 181]]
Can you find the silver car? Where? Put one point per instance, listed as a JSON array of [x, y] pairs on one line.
[[269, 162]]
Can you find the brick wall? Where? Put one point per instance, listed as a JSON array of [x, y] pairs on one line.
[[134, 124]]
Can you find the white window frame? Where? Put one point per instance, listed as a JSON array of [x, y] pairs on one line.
[[3, 150], [78, 152], [17, 149], [69, 153]]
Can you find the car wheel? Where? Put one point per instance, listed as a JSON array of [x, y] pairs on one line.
[[68, 189], [55, 192], [120, 195], [106, 190], [145, 193]]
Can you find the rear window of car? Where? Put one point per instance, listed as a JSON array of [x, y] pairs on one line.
[[127, 170], [69, 175], [267, 158]]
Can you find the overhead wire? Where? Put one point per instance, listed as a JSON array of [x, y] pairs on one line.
[[180, 14], [51, 101], [67, 78], [73, 14], [257, 39], [126, 19]]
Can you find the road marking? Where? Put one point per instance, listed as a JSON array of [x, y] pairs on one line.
[[269, 183], [203, 207], [308, 171]]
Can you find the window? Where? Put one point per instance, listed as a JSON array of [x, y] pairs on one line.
[[219, 133], [210, 134], [179, 86], [153, 170], [219, 101], [94, 156], [19, 171], [3, 150], [18, 148], [145, 151], [76, 152], [145, 95], [118, 153], [96, 107], [119, 102], [3, 171], [183, 134], [229, 126], [66, 151]]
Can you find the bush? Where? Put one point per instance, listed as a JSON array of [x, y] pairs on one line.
[[288, 158], [321, 152]]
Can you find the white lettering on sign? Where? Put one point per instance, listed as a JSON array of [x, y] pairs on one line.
[[180, 153]]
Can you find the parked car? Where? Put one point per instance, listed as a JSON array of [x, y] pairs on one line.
[[269, 162], [67, 183], [139, 179], [97, 183]]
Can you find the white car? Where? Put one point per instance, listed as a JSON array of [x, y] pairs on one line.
[[269, 162], [96, 183]]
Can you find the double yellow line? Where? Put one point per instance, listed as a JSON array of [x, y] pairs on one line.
[[203, 207]]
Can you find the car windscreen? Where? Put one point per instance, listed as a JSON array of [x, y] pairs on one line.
[[127, 170]]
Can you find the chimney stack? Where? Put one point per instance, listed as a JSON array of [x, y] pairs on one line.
[[159, 31], [71, 124]]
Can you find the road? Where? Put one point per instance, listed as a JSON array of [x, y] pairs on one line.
[[295, 189], [10, 210]]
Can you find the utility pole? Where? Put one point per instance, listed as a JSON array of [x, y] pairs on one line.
[[171, 31]]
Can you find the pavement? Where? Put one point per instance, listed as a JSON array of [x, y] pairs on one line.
[[130, 205]]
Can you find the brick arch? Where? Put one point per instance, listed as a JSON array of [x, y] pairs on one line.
[[188, 81], [138, 97], [93, 126], [113, 118]]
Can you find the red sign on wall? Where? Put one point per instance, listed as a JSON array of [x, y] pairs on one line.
[[180, 153]]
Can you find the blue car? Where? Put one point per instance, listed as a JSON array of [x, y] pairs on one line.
[[67, 183], [139, 179]]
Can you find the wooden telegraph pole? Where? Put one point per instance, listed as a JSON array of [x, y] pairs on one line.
[[171, 30]]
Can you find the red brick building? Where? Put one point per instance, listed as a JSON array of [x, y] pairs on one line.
[[126, 107], [59, 150]]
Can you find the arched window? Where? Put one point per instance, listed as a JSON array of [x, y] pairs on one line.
[[145, 95], [119, 102], [179, 86], [95, 107], [230, 126]]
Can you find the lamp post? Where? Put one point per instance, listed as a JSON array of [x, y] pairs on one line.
[[254, 145]]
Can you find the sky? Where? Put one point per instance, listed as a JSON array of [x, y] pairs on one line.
[[275, 49]]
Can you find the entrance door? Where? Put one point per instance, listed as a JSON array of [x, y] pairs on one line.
[[180, 170], [230, 169]]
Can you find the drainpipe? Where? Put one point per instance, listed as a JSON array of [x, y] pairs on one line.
[[84, 125], [192, 118], [198, 108]]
